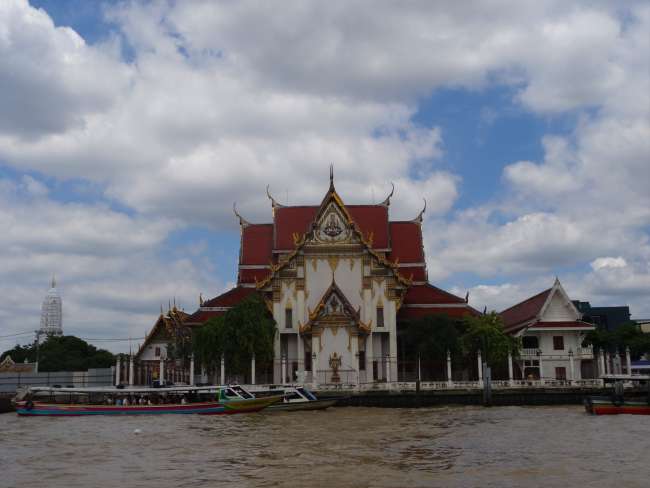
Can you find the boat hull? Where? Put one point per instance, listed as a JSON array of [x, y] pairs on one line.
[[204, 408], [296, 406], [605, 406]]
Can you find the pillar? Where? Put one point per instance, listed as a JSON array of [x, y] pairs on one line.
[[572, 371], [601, 362], [161, 377], [628, 361], [388, 368], [541, 366], [608, 367], [510, 373], [480, 366], [192, 370], [118, 367], [131, 375], [283, 369], [370, 359], [300, 348], [448, 368], [253, 369], [222, 370]]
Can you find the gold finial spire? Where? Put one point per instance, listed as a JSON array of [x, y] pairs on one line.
[[331, 177], [201, 299]]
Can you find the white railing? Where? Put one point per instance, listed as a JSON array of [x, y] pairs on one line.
[[466, 385]]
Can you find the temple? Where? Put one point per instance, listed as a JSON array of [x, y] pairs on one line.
[[51, 314], [341, 282]]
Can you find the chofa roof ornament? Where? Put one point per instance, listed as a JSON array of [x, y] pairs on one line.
[[242, 221], [418, 219], [386, 202], [274, 202]]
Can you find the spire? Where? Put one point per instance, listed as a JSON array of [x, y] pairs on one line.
[[467, 297], [386, 202], [53, 283], [331, 177]]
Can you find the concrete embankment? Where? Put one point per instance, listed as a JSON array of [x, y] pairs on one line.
[[392, 399]]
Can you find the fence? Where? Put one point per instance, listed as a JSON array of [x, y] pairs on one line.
[[9, 382]]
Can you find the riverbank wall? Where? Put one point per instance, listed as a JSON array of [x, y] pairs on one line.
[[523, 397]]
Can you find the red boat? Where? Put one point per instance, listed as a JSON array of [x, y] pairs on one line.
[[615, 405]]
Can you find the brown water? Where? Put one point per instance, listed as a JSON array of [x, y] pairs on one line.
[[340, 447]]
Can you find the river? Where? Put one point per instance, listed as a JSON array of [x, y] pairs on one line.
[[339, 447]]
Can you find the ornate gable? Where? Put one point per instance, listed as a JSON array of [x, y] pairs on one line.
[[333, 310]]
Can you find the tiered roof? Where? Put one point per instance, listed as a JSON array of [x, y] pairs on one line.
[[397, 244]]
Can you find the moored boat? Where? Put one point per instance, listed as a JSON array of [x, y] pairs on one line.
[[613, 406], [46, 401], [301, 398]]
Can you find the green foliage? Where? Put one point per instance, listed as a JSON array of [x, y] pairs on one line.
[[64, 353], [626, 335], [432, 336], [486, 333], [246, 329]]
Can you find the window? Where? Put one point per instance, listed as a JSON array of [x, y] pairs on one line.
[[288, 318], [362, 360], [157, 352], [558, 343], [380, 316], [560, 373], [529, 342]]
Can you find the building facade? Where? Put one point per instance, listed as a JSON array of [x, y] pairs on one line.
[[552, 331], [339, 280]]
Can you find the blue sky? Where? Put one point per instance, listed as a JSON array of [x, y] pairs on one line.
[[130, 128]]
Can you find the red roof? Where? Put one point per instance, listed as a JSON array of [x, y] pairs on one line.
[[418, 273], [230, 298], [257, 244], [577, 324], [429, 294], [523, 311], [369, 219], [290, 220], [226, 300], [406, 242], [202, 316], [406, 313]]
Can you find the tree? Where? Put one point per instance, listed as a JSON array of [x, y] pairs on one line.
[[485, 332], [63, 353], [431, 336], [245, 330], [624, 336]]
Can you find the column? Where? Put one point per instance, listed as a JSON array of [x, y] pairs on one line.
[[541, 366], [510, 374], [601, 362], [300, 347], [131, 376], [608, 368], [283, 369], [617, 363], [223, 370], [449, 368], [572, 371], [192, 370], [370, 378], [388, 369], [355, 356], [253, 370], [628, 360], [161, 376], [315, 351], [117, 370], [479, 360]]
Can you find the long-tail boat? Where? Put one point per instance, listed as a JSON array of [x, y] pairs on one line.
[[617, 403], [47, 401]]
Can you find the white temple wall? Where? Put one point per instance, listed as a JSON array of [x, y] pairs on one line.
[[149, 353], [348, 278]]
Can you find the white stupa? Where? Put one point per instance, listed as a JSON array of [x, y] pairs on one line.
[[51, 314]]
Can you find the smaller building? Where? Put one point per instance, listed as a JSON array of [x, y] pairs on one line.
[[607, 318], [8, 365], [551, 331]]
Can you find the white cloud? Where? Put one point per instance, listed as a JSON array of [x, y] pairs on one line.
[[608, 262]]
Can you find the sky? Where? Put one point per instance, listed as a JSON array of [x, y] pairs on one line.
[[128, 129]]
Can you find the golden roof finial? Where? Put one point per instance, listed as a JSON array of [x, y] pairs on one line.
[[386, 201], [200, 299], [242, 221], [418, 219]]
